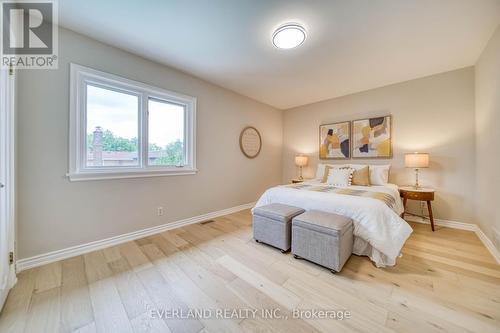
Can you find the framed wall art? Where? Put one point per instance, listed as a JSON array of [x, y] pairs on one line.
[[335, 141], [372, 137]]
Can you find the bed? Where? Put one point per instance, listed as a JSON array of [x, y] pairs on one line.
[[379, 231]]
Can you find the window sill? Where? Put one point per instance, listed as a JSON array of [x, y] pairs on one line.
[[82, 176]]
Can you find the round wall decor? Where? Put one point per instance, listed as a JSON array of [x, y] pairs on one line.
[[250, 142]]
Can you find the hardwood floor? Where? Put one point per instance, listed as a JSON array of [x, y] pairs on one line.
[[446, 281]]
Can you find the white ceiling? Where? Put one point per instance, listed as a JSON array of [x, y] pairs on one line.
[[352, 45]]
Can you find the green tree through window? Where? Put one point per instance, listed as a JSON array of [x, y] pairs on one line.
[[171, 154]]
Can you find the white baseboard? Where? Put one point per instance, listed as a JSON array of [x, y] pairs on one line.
[[73, 251], [463, 226], [489, 244], [443, 223]]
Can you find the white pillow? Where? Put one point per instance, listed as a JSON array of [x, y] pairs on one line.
[[340, 177], [379, 174], [320, 170]]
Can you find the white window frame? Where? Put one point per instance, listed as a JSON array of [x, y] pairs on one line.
[[80, 77]]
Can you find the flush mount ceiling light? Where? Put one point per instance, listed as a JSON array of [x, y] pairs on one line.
[[289, 36]]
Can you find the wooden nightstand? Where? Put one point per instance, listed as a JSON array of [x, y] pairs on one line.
[[421, 194], [296, 181]]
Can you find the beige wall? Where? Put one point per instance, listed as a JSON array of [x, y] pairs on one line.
[[433, 114], [54, 213], [488, 139]]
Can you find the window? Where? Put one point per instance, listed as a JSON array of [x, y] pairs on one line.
[[121, 128], [112, 128], [166, 133]]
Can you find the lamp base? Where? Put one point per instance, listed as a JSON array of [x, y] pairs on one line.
[[417, 185]]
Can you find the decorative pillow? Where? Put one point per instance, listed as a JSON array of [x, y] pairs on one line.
[[329, 167], [361, 176], [340, 177], [323, 170], [379, 174]]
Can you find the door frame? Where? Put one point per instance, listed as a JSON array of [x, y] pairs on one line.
[[7, 130]]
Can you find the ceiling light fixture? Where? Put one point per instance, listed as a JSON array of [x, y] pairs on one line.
[[289, 35]]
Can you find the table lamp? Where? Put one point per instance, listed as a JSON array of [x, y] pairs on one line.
[[300, 161], [417, 161]]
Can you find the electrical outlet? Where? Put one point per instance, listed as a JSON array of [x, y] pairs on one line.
[[160, 211]]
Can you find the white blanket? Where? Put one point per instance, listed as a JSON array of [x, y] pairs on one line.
[[379, 231]]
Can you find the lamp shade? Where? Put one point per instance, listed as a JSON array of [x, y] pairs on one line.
[[300, 160], [417, 160]]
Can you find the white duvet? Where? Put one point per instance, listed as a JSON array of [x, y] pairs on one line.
[[379, 231]]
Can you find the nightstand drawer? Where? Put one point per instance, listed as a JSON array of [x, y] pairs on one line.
[[414, 195]]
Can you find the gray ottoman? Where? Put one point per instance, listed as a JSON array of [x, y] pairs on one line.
[[323, 238], [272, 224]]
